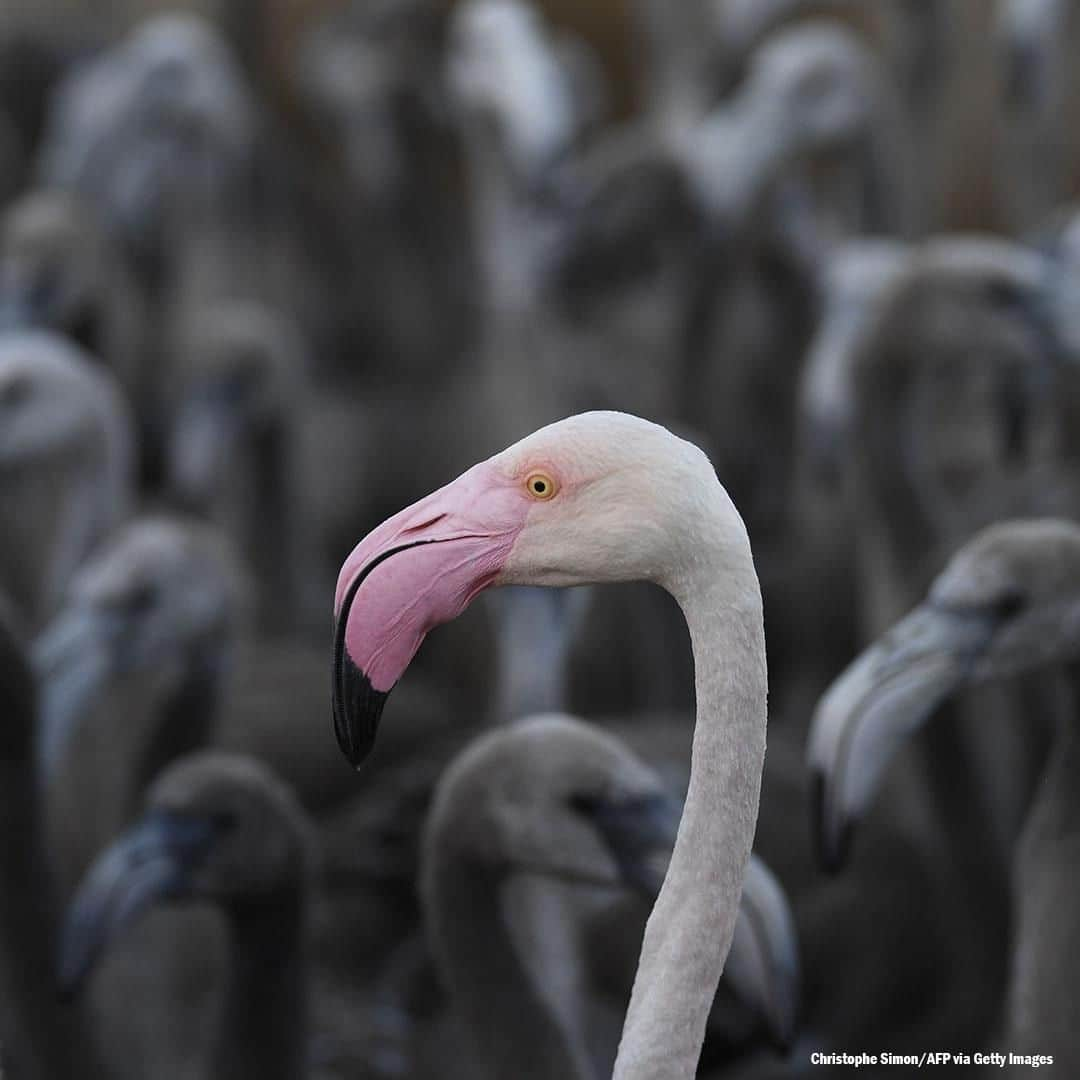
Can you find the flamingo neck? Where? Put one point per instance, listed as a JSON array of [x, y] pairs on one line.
[[263, 1033], [690, 929], [495, 994], [43, 1040], [1042, 1011]]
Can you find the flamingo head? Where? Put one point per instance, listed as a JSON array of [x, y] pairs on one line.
[[599, 497]]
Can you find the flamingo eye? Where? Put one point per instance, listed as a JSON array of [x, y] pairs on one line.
[[540, 485]]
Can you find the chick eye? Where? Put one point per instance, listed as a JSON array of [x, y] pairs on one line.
[[1009, 603], [139, 599], [540, 486]]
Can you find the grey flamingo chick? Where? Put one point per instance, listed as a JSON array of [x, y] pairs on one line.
[[222, 830], [66, 466], [41, 1040], [962, 417], [60, 271], [810, 91], [235, 452], [1007, 603], [148, 661], [132, 672], [956, 424], [1039, 96], [155, 133], [858, 276], [553, 800]]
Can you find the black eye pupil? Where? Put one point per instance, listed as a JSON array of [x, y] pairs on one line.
[[1009, 604], [140, 599], [15, 392], [539, 487]]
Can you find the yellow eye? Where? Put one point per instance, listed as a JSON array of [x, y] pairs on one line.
[[539, 485]]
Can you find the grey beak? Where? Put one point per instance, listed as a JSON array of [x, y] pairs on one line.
[[204, 431], [826, 404], [74, 658], [883, 697], [729, 160], [762, 970], [16, 311], [640, 833], [151, 862]]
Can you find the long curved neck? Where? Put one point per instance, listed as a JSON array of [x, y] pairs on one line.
[[677, 83], [268, 533], [510, 1025], [42, 1040], [52, 513], [263, 1032], [512, 230], [1044, 996], [251, 499], [689, 932], [895, 532], [184, 722]]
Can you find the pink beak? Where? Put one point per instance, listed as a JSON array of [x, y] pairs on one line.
[[420, 568]]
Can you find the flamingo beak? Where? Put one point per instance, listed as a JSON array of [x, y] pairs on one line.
[[762, 969], [640, 833], [883, 697], [151, 863], [417, 570]]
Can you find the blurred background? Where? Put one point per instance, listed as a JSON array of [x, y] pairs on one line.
[[272, 269]]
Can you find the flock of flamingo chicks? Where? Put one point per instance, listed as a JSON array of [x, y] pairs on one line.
[[251, 309]]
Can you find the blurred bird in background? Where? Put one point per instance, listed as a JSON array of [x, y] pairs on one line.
[[272, 270]]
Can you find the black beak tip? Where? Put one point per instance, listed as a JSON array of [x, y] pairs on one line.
[[785, 1031], [823, 448], [71, 974], [783, 1043], [831, 845], [357, 709]]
